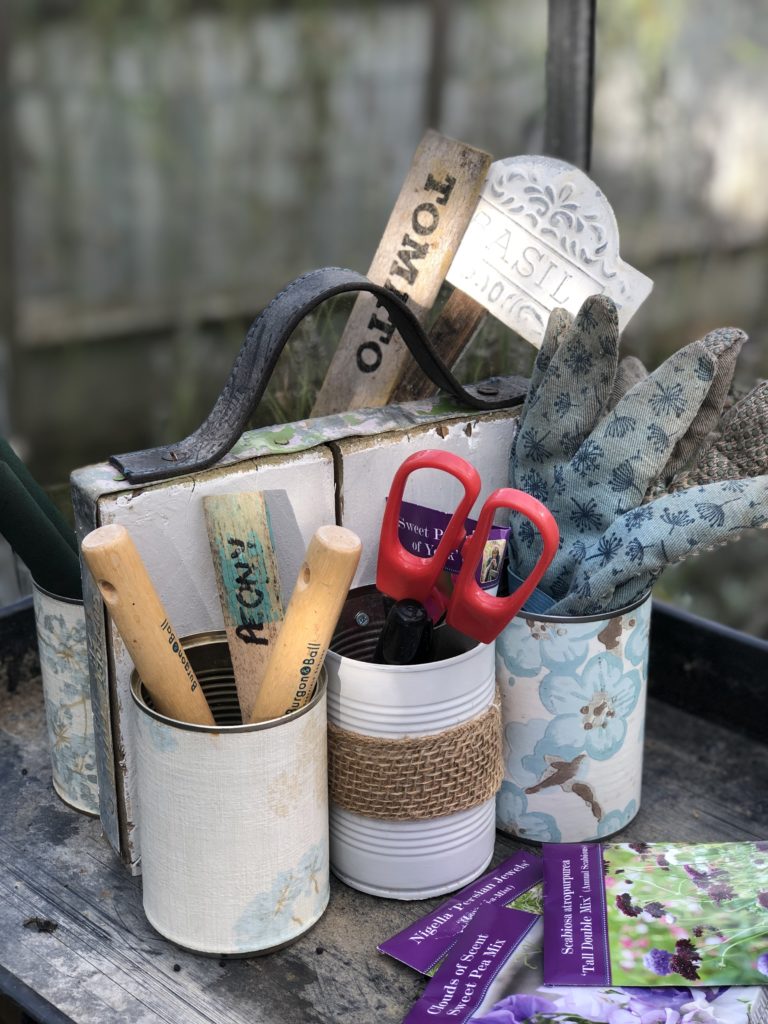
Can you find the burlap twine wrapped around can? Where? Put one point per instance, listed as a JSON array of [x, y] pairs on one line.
[[417, 777]]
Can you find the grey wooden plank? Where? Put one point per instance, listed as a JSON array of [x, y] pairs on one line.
[[103, 962]]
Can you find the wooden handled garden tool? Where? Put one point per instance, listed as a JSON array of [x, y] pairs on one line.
[[298, 653], [143, 623]]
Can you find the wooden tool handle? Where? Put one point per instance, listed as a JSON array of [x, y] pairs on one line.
[[321, 589], [142, 622]]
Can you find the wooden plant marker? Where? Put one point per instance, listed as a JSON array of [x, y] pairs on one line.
[[543, 235], [456, 325], [429, 218], [248, 582]]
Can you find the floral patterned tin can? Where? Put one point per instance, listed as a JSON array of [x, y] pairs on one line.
[[60, 623], [233, 818], [573, 694]]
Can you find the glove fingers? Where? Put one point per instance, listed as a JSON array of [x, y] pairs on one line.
[[628, 449], [724, 345], [578, 380], [640, 544], [741, 449], [560, 321], [630, 372]]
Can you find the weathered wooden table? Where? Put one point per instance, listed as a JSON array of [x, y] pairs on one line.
[[74, 943]]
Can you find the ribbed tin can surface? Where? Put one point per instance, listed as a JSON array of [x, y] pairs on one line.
[[60, 625], [234, 818], [407, 859], [573, 695]]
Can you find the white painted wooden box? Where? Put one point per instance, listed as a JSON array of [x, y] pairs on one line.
[[333, 469]]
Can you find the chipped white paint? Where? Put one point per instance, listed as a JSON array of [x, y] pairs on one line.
[[167, 523], [543, 235], [234, 824]]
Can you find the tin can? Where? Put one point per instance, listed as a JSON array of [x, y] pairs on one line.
[[233, 817], [395, 858], [573, 696], [61, 642]]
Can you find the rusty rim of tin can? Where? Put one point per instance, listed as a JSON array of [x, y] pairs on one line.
[[217, 681]]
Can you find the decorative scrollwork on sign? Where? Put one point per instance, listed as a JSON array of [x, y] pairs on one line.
[[543, 235]]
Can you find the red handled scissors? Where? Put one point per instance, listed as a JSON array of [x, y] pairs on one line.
[[401, 574]]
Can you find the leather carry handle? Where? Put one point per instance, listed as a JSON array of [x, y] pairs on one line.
[[253, 367]]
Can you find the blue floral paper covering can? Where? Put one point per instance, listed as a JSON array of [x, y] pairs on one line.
[[573, 694], [61, 643], [233, 818]]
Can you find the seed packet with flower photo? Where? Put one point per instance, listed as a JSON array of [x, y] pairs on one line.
[[520, 997], [648, 914]]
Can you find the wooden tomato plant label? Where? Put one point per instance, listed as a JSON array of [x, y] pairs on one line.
[[424, 230], [543, 235]]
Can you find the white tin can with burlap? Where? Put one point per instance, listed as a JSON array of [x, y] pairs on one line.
[[61, 643], [573, 695], [233, 817], [415, 761]]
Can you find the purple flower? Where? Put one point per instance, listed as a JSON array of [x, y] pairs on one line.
[[655, 909], [515, 1010], [658, 961], [640, 848], [662, 861], [626, 906], [762, 846], [684, 967], [671, 997], [762, 963], [762, 900], [694, 874], [721, 893]]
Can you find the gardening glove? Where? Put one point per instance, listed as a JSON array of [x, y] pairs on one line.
[[739, 449], [589, 465], [630, 372], [619, 567]]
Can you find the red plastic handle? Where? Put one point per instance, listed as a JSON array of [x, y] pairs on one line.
[[399, 573], [471, 610]]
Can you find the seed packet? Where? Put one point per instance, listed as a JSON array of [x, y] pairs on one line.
[[420, 530], [519, 995], [637, 914], [468, 973], [512, 883]]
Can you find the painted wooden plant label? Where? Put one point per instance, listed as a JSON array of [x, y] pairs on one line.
[[543, 235], [424, 230], [240, 536]]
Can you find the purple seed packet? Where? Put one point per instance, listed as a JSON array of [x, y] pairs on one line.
[[656, 914], [422, 944], [420, 530], [469, 970]]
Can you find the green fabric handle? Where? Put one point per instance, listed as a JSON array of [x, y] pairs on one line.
[[36, 541], [11, 459]]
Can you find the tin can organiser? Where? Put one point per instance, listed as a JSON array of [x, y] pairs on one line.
[[407, 859], [60, 625], [573, 696], [233, 817]]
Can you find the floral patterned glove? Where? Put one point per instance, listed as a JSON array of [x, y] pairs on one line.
[[620, 566], [591, 466]]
